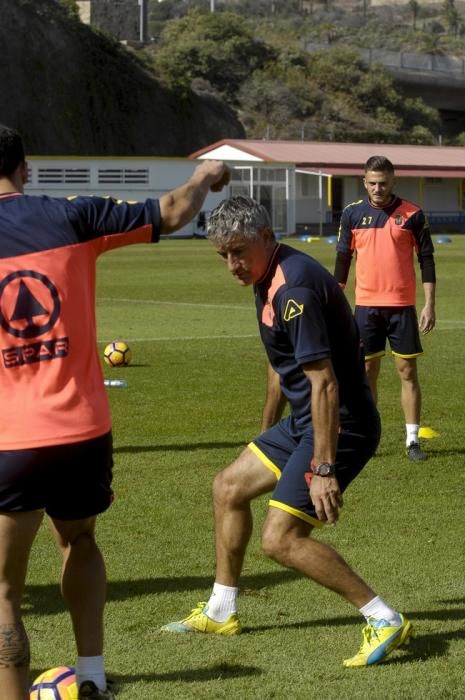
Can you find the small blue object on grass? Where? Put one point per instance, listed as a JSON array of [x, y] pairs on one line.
[[443, 239], [331, 239], [116, 383]]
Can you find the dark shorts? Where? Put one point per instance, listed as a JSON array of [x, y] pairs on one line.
[[69, 481], [398, 324], [288, 456]]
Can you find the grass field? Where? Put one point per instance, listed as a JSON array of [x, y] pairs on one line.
[[194, 399]]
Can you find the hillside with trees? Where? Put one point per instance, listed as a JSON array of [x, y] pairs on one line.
[[250, 54], [73, 91], [241, 70]]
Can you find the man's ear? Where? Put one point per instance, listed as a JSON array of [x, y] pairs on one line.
[[268, 235]]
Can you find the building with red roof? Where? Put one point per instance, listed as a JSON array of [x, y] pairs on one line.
[[305, 185]]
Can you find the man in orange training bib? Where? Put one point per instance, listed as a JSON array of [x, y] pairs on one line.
[[385, 231], [55, 441]]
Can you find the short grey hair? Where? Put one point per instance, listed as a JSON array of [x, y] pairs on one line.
[[237, 216]]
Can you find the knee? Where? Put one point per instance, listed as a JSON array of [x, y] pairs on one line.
[[81, 541], [409, 381], [275, 545], [10, 598], [408, 372], [371, 369], [226, 491]]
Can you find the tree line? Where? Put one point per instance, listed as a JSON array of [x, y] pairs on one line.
[[282, 92], [249, 53]]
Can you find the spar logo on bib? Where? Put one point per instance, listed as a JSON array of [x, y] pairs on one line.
[[30, 307]]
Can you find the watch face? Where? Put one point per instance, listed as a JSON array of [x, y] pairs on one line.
[[324, 469]]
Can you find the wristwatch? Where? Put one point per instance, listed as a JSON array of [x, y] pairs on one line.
[[323, 469]]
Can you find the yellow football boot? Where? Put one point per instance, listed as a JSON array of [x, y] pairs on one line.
[[198, 621], [379, 639]]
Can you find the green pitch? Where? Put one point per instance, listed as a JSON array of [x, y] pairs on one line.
[[194, 398]]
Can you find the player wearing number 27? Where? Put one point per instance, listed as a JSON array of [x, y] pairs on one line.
[[385, 231], [55, 435], [308, 458]]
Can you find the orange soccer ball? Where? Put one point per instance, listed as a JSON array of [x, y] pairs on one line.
[[55, 684]]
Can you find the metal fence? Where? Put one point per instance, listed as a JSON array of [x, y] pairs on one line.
[[404, 60]]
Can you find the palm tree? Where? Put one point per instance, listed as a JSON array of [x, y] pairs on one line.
[[415, 9]]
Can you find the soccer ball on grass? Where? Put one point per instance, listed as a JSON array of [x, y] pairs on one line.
[[55, 684], [117, 354]]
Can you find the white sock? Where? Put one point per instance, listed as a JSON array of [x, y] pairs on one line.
[[378, 610], [222, 603], [412, 432], [90, 668]]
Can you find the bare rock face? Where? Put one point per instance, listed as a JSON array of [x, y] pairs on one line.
[[72, 91]]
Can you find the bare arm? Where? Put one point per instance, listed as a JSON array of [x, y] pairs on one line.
[[427, 318], [180, 206], [275, 401], [324, 490]]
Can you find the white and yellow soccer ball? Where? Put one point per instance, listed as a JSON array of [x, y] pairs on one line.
[[55, 684], [117, 354]]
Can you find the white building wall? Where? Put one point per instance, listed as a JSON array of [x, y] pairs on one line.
[[229, 153], [139, 178], [441, 195], [408, 188], [291, 209], [311, 201], [130, 179], [353, 190]]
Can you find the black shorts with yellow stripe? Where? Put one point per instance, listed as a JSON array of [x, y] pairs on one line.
[[398, 324], [287, 453]]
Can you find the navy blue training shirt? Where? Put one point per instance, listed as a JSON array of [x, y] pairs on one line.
[[304, 316]]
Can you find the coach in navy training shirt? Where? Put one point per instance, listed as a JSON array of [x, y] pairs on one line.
[[309, 457]]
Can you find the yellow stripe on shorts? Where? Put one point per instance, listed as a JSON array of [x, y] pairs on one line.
[[298, 513], [265, 460]]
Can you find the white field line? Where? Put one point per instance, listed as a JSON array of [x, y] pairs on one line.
[[180, 303], [179, 338], [218, 337], [173, 303], [451, 323]]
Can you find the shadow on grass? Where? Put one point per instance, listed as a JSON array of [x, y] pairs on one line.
[[190, 447], [426, 646], [211, 673], [192, 675], [134, 449], [445, 452], [422, 647], [129, 367], [458, 614], [46, 599]]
